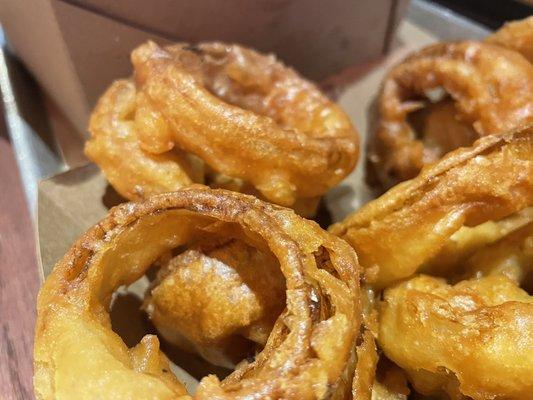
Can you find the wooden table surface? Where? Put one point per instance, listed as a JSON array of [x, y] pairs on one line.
[[19, 280]]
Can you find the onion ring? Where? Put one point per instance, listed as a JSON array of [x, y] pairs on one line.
[[515, 35], [255, 124], [491, 88], [397, 233], [309, 354], [472, 339]]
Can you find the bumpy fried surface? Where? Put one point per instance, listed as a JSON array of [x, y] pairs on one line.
[[511, 256], [133, 172], [471, 240], [397, 233], [516, 35], [194, 301], [489, 89], [467, 217], [365, 371], [474, 338], [310, 353], [256, 125]]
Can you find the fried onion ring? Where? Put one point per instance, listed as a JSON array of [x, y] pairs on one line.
[[491, 89], [515, 35], [397, 233], [472, 339], [254, 124], [310, 353]]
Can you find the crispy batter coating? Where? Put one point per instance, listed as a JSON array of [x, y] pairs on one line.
[[486, 88], [310, 353], [255, 124], [515, 35], [471, 240], [511, 256], [397, 233], [472, 209], [194, 299], [365, 371], [474, 338], [133, 172]]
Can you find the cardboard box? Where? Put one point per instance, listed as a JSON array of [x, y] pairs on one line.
[[75, 48]]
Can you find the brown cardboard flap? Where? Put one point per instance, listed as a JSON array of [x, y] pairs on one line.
[[98, 47], [34, 34], [67, 205], [316, 37]]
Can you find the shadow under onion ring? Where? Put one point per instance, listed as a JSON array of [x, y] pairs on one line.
[[310, 353]]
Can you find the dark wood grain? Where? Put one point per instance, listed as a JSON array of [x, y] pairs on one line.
[[19, 280]]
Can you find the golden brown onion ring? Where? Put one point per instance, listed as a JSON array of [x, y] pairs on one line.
[[254, 122], [472, 339], [397, 233], [309, 354], [491, 88], [515, 35], [213, 300]]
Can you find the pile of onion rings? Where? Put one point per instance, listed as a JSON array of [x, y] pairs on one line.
[[222, 115], [469, 186], [310, 352], [469, 332], [446, 96], [440, 305]]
